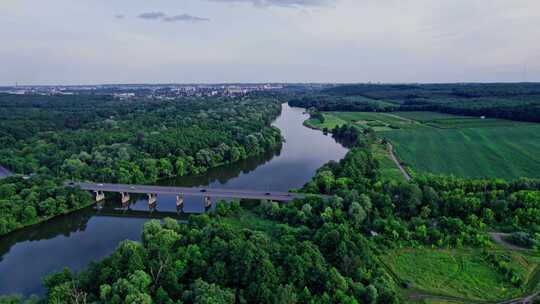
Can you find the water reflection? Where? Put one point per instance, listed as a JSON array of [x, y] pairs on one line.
[[89, 235]]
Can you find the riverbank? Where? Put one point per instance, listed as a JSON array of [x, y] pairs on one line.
[[90, 201], [76, 239], [390, 167], [42, 206]]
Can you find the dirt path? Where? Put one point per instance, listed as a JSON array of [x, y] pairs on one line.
[[498, 237], [398, 164], [525, 300]]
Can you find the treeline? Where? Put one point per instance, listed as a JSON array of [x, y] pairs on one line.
[[56, 138], [325, 102], [25, 202], [313, 250], [431, 210], [517, 101], [95, 138], [212, 261]]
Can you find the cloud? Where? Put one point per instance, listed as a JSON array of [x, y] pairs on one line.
[[185, 18], [286, 3], [176, 18], [152, 15]]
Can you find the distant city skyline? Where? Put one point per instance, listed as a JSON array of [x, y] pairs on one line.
[[61, 42]]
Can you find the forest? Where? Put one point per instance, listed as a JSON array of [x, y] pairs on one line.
[[101, 139], [514, 101], [368, 240], [25, 202], [313, 250], [51, 139]]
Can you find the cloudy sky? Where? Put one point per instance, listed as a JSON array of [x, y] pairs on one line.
[[181, 41]]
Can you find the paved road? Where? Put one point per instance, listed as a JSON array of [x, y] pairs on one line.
[[224, 193], [4, 172]]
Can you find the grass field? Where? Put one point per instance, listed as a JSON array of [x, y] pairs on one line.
[[502, 152], [460, 275], [448, 144], [387, 170], [330, 122]]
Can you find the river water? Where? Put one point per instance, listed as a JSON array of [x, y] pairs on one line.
[[88, 235]]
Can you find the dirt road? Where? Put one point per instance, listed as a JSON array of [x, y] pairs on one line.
[[398, 164]]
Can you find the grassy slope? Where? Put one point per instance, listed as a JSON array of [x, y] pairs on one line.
[[461, 274]]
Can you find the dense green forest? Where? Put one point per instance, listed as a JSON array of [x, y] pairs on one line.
[[25, 202], [313, 250], [96, 138], [515, 101], [368, 240], [101, 139]]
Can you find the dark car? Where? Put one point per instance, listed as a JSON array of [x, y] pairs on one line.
[[203, 190]]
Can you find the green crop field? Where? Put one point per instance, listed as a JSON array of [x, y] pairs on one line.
[[429, 116], [460, 274], [501, 152], [462, 146]]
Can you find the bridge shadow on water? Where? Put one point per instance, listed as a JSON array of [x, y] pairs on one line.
[[92, 233], [77, 221]]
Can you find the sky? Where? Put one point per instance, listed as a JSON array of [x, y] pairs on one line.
[[216, 41]]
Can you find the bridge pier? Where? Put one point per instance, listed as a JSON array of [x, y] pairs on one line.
[[207, 202], [99, 195], [125, 197], [152, 200], [179, 200]]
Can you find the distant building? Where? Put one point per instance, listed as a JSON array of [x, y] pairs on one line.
[[124, 96]]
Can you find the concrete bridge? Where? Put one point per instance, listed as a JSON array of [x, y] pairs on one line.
[[99, 190]]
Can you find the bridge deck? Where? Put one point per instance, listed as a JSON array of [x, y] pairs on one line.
[[212, 192]]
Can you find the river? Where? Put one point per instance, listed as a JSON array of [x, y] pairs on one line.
[[76, 239]]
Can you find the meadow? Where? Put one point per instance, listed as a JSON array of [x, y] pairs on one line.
[[387, 168], [330, 122], [463, 146], [460, 275]]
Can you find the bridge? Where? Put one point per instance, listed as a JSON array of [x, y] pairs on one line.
[[99, 190]]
